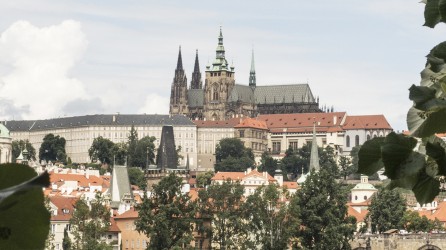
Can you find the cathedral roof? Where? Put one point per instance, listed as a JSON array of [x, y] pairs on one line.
[[195, 97], [241, 93], [292, 93], [99, 120]]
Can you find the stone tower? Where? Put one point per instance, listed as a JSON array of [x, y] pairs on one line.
[[178, 92], [196, 82], [218, 84], [165, 158]]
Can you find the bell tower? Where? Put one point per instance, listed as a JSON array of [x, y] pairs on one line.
[[219, 82]]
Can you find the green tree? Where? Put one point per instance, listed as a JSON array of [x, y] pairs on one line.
[[66, 241], [53, 148], [204, 179], [18, 146], [167, 216], [132, 143], [101, 150], [323, 211], [386, 209], [120, 153], [232, 156], [346, 166], [292, 163], [136, 177], [144, 152], [223, 205], [409, 164], [268, 164], [89, 223], [270, 223]]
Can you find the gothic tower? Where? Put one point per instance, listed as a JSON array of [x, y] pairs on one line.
[[178, 92], [218, 84], [252, 73], [196, 75]]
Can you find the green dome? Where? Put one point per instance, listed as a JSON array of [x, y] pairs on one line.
[[4, 132]]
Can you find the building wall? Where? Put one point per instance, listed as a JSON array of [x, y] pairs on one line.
[[5, 149], [207, 140], [255, 139], [79, 139], [130, 238]]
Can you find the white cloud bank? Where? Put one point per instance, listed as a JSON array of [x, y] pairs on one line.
[[155, 104], [38, 85]]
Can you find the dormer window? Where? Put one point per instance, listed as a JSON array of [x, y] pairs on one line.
[[65, 211]]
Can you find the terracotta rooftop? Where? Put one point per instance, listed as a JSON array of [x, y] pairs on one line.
[[303, 120], [82, 180], [366, 122], [439, 213], [252, 123], [65, 207], [290, 184], [113, 227], [230, 123], [131, 213], [360, 216]]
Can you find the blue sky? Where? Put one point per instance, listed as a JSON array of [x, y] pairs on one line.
[[63, 58]]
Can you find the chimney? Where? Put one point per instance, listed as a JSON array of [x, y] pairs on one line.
[[335, 119], [114, 118]]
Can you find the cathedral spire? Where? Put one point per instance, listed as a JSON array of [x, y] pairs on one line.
[[314, 157], [220, 51], [252, 72], [196, 75], [180, 61]]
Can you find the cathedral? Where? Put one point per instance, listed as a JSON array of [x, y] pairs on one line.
[[221, 98]]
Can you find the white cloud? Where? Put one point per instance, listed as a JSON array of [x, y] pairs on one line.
[[155, 104], [41, 59]]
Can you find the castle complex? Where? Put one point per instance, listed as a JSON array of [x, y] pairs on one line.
[[222, 99]]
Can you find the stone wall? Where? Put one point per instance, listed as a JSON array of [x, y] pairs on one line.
[[401, 241]]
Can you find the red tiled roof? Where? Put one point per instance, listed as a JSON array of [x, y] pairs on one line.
[[252, 123], [131, 213], [113, 227], [290, 184], [81, 179], [65, 207], [303, 120], [366, 122], [230, 123], [440, 212], [360, 216]]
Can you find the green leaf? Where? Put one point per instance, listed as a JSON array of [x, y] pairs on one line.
[[436, 150], [370, 156], [426, 189], [408, 167], [395, 151], [23, 216], [424, 124], [408, 182], [432, 13], [421, 94]]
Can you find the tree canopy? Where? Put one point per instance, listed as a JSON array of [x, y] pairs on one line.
[[233, 156], [323, 210], [101, 149], [53, 148], [386, 210], [167, 216], [19, 145]]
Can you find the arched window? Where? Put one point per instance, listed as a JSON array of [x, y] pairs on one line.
[[215, 93], [356, 197], [365, 197], [356, 140], [347, 141]]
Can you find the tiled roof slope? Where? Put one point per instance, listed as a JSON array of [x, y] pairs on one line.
[[366, 122], [98, 120], [82, 180], [252, 123], [131, 213], [230, 123], [120, 183], [303, 122], [63, 203], [293, 93], [241, 93]]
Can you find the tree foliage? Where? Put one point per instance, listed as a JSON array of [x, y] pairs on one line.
[[223, 205], [18, 146], [268, 164], [204, 179], [386, 210], [323, 211], [53, 148], [136, 177], [408, 165], [233, 156], [166, 216], [101, 149], [89, 223], [270, 222], [132, 143], [346, 166], [413, 222], [144, 152]]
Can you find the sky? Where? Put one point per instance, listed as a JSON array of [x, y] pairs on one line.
[[66, 58]]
